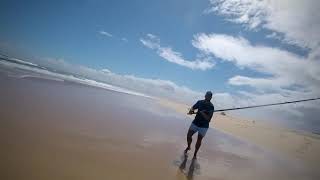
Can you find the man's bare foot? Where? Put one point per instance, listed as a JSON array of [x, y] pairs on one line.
[[186, 150]]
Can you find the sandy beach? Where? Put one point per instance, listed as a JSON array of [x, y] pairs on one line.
[[60, 130]]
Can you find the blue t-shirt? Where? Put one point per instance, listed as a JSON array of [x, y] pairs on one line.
[[208, 109]]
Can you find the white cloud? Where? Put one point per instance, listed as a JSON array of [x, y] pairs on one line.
[[153, 42], [105, 33], [273, 35], [284, 68], [260, 83], [297, 20], [106, 70], [124, 39]]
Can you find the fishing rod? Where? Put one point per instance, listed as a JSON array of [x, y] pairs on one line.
[[264, 105]]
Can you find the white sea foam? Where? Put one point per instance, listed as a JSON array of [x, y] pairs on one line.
[[24, 62], [40, 77], [62, 77]]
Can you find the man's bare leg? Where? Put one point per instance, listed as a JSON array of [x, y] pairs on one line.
[[198, 144], [189, 140]]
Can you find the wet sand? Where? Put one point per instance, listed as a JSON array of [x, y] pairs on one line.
[[61, 130]]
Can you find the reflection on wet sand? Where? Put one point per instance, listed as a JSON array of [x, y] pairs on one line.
[[193, 165], [184, 162]]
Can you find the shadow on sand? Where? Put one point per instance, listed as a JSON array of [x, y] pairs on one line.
[[188, 174]]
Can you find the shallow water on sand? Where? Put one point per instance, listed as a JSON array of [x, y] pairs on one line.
[[61, 130]]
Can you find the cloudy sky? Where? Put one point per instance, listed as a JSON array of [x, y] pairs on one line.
[[246, 51]]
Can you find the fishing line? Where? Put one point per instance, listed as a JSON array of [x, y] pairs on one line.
[[264, 105]]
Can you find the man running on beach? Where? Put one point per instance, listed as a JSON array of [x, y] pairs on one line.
[[200, 123]]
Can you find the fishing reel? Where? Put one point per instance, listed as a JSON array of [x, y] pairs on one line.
[[190, 112]]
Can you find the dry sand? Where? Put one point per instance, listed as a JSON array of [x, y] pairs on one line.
[[59, 130]]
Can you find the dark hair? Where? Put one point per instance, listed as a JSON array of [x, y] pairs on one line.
[[209, 93]]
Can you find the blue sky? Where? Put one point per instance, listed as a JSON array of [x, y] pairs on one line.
[[252, 51], [70, 30]]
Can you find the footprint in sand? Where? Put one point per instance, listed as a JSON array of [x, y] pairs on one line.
[[305, 146]]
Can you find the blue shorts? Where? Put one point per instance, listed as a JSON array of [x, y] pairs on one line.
[[200, 130]]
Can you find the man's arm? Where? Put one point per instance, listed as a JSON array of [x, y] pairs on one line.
[[194, 107], [191, 111]]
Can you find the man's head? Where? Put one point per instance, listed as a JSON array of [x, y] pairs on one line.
[[208, 96]]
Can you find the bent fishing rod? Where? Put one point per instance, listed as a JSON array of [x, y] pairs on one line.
[[264, 105]]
